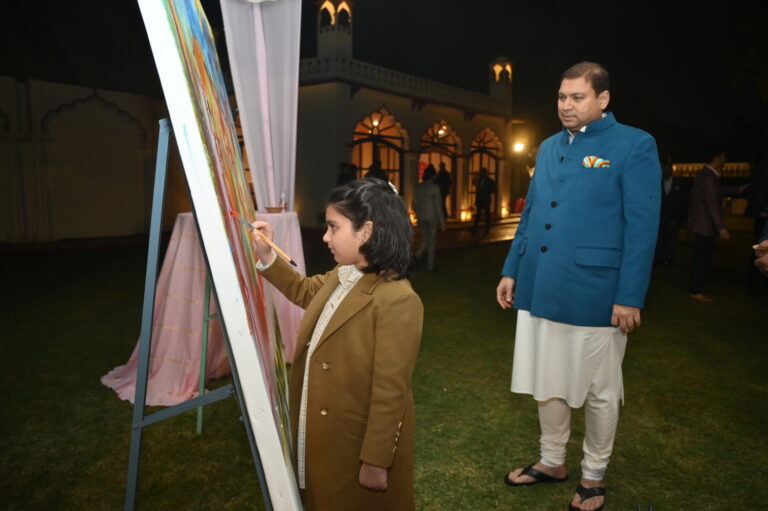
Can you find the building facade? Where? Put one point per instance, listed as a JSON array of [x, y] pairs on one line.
[[356, 112], [78, 162]]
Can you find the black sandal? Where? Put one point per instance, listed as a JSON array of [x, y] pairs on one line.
[[588, 493], [537, 475]]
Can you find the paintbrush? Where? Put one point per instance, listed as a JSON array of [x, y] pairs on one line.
[[268, 241]]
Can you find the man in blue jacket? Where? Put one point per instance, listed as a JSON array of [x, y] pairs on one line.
[[577, 272]]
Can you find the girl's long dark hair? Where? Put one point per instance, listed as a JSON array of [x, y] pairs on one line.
[[388, 250]]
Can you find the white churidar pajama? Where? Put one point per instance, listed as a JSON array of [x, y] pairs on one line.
[[564, 366]]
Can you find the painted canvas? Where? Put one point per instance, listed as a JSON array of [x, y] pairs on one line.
[[186, 59]]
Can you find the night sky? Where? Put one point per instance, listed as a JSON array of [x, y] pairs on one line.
[[691, 75]]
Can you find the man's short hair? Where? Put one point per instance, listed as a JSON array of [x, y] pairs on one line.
[[592, 72], [713, 151]]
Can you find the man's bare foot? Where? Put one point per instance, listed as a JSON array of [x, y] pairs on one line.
[[591, 503], [516, 478]]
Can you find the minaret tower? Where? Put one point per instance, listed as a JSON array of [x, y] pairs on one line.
[[501, 79], [334, 28]]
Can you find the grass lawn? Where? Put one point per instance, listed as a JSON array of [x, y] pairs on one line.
[[691, 436]]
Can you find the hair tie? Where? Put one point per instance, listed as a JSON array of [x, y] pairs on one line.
[[394, 188]]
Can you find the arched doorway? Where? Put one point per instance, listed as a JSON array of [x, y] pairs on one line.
[[485, 151], [440, 146], [380, 137], [96, 165]]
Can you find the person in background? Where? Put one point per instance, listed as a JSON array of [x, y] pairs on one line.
[[705, 222], [444, 182], [674, 207], [761, 251], [757, 208], [485, 187], [376, 171], [347, 173], [429, 213]]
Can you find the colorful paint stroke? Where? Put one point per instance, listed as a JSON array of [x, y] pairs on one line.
[[185, 54]]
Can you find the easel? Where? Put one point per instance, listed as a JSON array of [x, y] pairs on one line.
[[145, 341]]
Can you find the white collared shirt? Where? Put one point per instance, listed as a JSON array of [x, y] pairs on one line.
[[583, 129]]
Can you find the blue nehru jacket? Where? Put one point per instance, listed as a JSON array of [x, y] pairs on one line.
[[588, 232]]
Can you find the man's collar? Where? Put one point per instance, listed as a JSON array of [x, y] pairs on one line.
[[605, 122], [713, 169]]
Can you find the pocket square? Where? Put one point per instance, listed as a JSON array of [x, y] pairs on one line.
[[595, 162]]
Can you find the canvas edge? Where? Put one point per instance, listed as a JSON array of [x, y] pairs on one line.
[[277, 471]]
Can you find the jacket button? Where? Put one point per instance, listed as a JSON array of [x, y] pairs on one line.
[[553, 204], [548, 226], [543, 249], [326, 366], [323, 412]]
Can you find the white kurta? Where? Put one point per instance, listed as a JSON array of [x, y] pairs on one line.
[[559, 360]]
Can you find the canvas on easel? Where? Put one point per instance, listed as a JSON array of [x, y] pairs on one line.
[[184, 51]]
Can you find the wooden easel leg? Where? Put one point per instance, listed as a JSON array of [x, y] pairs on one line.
[[145, 339], [145, 343]]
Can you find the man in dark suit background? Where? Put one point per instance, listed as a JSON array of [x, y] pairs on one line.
[[705, 221], [444, 182], [485, 187], [674, 207]]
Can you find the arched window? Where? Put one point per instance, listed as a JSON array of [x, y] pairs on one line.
[[327, 14], [380, 137], [485, 151], [344, 15], [440, 146], [502, 72], [326, 18]]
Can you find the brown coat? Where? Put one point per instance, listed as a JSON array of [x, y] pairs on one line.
[[360, 405]]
